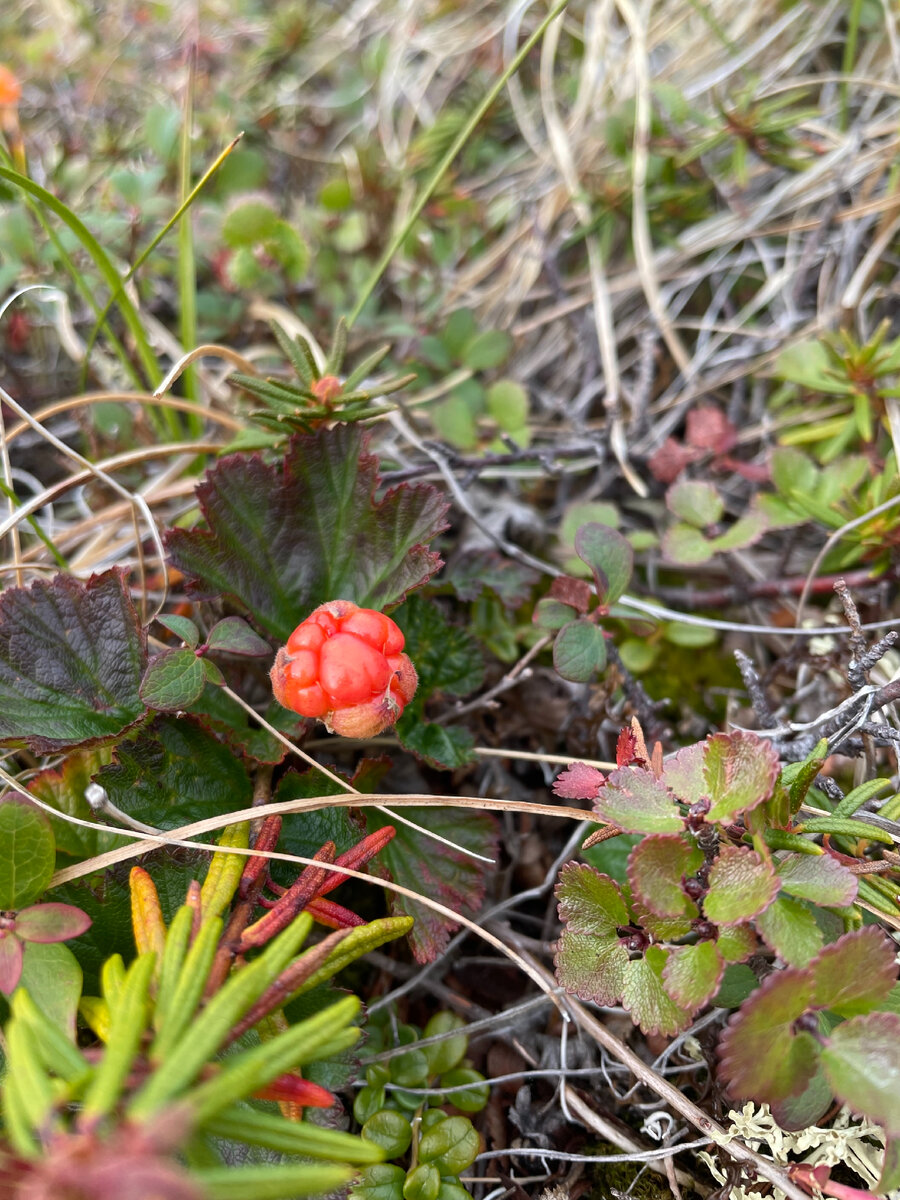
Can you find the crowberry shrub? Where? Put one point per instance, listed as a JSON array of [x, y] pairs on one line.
[[344, 666]]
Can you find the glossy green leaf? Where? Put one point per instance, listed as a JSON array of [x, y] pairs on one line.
[[173, 680], [475, 1096], [451, 1145], [741, 886], [579, 651], [285, 537], [655, 869], [28, 856], [389, 1130], [638, 802], [384, 1181], [848, 827], [609, 556], [71, 659], [445, 1055]]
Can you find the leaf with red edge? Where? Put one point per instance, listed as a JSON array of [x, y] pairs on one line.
[[741, 885], [655, 869], [51, 922], [590, 902], [11, 962], [636, 801], [862, 1062], [71, 659], [286, 537], [683, 773], [736, 943], [592, 967], [819, 878], [740, 770], [707, 428], [856, 973], [610, 557], [890, 1170], [663, 929], [578, 782], [692, 974], [789, 928], [627, 750], [670, 460], [761, 1057], [417, 861], [646, 998]]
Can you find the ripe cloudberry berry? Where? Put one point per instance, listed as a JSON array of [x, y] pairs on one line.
[[344, 665]]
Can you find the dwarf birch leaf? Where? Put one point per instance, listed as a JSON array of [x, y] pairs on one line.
[[646, 998], [636, 801], [664, 929], [286, 537], [862, 1062], [71, 658], [686, 546], [740, 770], [28, 856], [741, 885], [804, 1109], [696, 502], [417, 861], [610, 557], [820, 878], [579, 651], [592, 967], [692, 974], [578, 782], [173, 681], [736, 943], [789, 928], [684, 773], [856, 973], [590, 902], [761, 1057], [655, 868]]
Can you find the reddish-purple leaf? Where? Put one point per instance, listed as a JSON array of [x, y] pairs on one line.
[[71, 659], [590, 902], [286, 537], [655, 868], [789, 928], [51, 922], [683, 773], [762, 1058], [862, 1062], [418, 862], [10, 961], [646, 998], [638, 802], [692, 974], [578, 782], [741, 885], [855, 974], [592, 967], [819, 878], [708, 428], [740, 770], [670, 460]]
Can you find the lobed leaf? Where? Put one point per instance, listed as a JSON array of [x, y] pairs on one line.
[[741, 886], [286, 537], [638, 802], [71, 659], [655, 869], [63, 788]]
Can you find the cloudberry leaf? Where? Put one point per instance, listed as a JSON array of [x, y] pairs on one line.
[[63, 788], [741, 885], [696, 502], [592, 967], [485, 570], [819, 878], [736, 943], [71, 659], [856, 973], [173, 681], [692, 974], [590, 902], [418, 862], [579, 651], [788, 927], [444, 747], [286, 537], [655, 868], [762, 1058], [646, 998], [636, 801], [217, 712], [28, 857], [610, 557], [862, 1062], [578, 782], [175, 772]]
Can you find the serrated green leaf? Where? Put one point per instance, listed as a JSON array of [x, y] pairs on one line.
[[862, 1063], [173, 680], [736, 943], [790, 929], [579, 651], [821, 879], [590, 902], [856, 973], [645, 996], [285, 538], [738, 983], [692, 974], [609, 556], [71, 659], [28, 856], [592, 967], [741, 886], [655, 869], [739, 770], [697, 503], [638, 802]]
